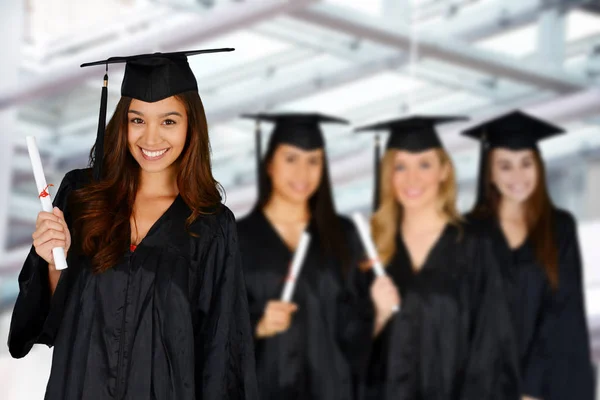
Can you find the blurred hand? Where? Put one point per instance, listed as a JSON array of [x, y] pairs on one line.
[[385, 296], [530, 398], [276, 318], [51, 231]]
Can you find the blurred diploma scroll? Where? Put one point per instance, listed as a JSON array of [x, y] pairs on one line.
[[297, 261], [365, 237], [42, 188]]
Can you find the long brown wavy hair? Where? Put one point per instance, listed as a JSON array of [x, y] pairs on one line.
[[102, 210], [538, 213], [386, 220]]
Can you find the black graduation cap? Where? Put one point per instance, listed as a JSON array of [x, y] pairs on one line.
[[150, 78], [515, 130], [302, 130], [414, 134]]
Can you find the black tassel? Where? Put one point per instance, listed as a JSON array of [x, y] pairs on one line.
[[483, 154], [258, 143], [99, 148], [376, 184]]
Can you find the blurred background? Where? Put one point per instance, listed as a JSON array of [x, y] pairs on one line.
[[359, 59]]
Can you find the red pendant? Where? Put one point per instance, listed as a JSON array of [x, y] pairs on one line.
[[132, 247]]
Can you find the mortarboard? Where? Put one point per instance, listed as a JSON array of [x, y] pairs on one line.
[[514, 131]]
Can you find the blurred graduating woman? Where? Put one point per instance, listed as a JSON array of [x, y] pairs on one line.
[[449, 339], [537, 244], [315, 346]]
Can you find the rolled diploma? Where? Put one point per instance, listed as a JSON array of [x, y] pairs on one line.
[[365, 236], [297, 261], [40, 181]]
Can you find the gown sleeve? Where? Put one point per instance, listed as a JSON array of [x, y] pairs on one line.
[[37, 314], [491, 370], [225, 366], [570, 374], [356, 314]]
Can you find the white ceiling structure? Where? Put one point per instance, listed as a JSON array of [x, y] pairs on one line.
[[359, 59]]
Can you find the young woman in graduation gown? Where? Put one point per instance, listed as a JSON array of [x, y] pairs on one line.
[[152, 304], [313, 348], [538, 248], [448, 340]]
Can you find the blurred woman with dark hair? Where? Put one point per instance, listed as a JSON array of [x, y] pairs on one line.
[[315, 346], [152, 305], [538, 248]]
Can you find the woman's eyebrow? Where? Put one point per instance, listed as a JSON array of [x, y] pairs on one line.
[[171, 113], [161, 116]]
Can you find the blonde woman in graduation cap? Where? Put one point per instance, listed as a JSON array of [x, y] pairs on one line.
[[152, 304], [448, 341], [539, 252]]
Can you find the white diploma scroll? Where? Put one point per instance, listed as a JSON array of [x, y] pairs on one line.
[[40, 181], [297, 261], [365, 236]]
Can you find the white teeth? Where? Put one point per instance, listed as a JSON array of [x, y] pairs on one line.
[[154, 153]]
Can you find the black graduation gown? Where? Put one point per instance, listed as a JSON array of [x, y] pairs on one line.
[[452, 337], [168, 322], [551, 327], [321, 355]]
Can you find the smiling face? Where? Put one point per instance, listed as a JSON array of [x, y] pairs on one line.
[[156, 133], [417, 177], [295, 173], [514, 173]]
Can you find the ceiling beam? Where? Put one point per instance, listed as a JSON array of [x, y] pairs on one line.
[[188, 29], [443, 48]]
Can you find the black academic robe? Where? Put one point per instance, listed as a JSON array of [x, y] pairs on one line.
[[551, 327], [452, 338], [322, 353], [170, 321]]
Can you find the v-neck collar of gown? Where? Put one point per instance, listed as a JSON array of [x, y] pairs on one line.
[[403, 249], [168, 228], [273, 231], [504, 239]]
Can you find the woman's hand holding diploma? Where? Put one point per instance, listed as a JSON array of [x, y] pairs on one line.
[[278, 314], [386, 299], [58, 258], [51, 231], [384, 293], [276, 319]]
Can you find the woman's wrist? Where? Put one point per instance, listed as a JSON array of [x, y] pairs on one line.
[[381, 320], [260, 331]]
